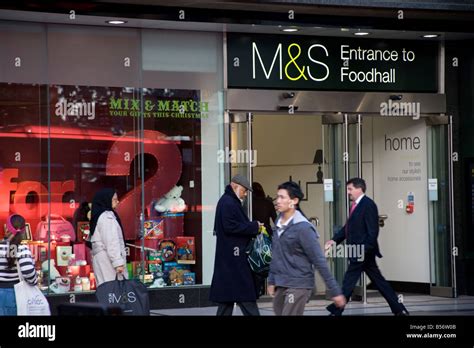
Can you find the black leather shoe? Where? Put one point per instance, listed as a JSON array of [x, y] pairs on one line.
[[403, 313]]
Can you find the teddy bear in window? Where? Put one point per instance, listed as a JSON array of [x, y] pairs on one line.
[[171, 202]]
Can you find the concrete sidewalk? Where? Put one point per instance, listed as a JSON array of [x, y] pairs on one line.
[[376, 305]]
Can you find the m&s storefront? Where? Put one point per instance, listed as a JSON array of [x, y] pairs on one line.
[[150, 109]]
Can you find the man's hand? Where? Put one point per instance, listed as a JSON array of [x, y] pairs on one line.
[[271, 290], [339, 301], [328, 244], [119, 269]]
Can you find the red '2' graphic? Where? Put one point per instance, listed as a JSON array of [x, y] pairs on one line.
[[119, 158]]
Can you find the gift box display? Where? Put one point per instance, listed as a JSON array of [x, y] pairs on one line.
[[161, 257], [185, 250], [189, 278], [80, 251], [153, 229], [153, 255], [39, 249], [68, 263], [173, 273], [167, 248], [154, 266], [63, 255]]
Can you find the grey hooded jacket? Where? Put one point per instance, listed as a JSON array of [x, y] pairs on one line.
[[295, 254]]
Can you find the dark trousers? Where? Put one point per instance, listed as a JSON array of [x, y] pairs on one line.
[[260, 284], [247, 308], [353, 273]]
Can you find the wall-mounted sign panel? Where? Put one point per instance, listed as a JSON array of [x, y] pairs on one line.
[[328, 63]]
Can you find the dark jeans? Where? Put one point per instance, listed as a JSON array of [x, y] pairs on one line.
[[247, 308], [7, 301], [369, 266]]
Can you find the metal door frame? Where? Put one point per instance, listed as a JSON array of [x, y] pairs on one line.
[[240, 117]]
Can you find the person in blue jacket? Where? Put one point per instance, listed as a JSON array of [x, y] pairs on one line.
[[233, 281]]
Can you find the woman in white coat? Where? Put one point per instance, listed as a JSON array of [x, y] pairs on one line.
[[108, 245]]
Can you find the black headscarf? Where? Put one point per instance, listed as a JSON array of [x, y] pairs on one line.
[[102, 202]]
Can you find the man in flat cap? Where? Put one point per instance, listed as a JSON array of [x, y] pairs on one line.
[[233, 281]]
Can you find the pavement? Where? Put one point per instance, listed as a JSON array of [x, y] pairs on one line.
[[376, 305]]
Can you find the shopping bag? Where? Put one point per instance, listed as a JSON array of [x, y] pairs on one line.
[[29, 298], [130, 295], [259, 253]]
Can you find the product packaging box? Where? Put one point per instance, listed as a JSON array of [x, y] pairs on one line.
[[63, 254], [79, 250], [189, 278], [154, 266], [153, 229], [185, 249]]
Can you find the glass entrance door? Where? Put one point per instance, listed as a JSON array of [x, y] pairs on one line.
[[343, 160], [240, 150], [441, 231], [335, 207]]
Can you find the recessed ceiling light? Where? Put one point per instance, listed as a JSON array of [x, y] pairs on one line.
[[430, 36], [290, 30], [344, 29], [361, 33], [116, 22]]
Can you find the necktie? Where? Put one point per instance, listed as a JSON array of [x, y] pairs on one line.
[[354, 204]]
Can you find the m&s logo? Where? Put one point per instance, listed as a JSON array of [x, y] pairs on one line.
[[126, 297], [294, 52], [37, 300]]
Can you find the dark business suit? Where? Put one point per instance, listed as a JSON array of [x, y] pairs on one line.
[[362, 228]]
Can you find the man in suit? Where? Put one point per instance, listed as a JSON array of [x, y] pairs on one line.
[[361, 232]]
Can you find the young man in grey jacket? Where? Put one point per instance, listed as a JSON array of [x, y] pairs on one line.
[[295, 254]]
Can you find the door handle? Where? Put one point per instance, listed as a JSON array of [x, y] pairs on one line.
[[382, 219], [314, 221]]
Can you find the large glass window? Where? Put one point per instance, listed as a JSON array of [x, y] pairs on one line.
[[139, 111]]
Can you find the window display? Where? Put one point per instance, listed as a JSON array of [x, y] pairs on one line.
[[96, 139], [77, 121]]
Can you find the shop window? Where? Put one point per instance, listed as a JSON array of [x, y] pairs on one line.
[[84, 129]]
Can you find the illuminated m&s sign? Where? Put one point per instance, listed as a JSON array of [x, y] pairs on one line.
[[302, 71], [328, 63]]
